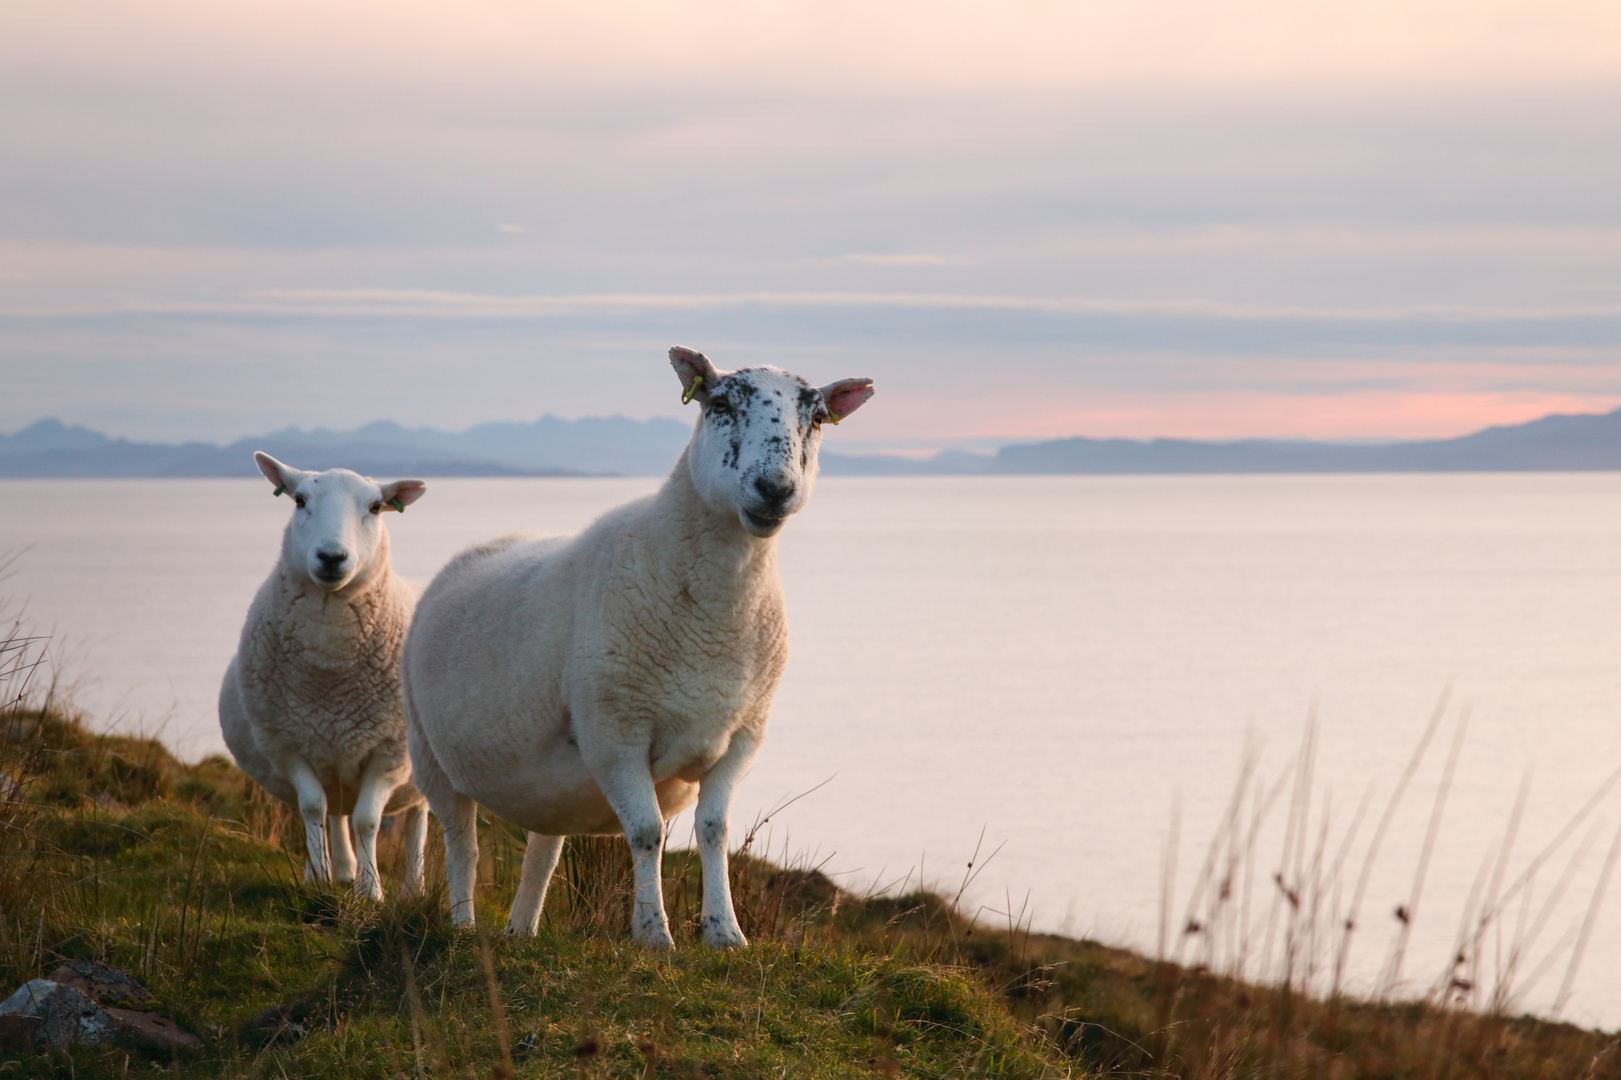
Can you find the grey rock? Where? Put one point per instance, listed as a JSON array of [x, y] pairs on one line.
[[30, 998], [102, 983], [72, 1017], [59, 1012]]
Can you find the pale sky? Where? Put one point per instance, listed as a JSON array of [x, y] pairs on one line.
[[1154, 217]]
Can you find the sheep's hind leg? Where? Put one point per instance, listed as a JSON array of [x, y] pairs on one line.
[[631, 794], [460, 820], [458, 815], [343, 853], [719, 918], [376, 785], [416, 840], [540, 856], [312, 808]]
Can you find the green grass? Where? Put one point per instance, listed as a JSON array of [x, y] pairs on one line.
[[190, 878]]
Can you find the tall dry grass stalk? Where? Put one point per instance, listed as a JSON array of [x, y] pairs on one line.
[[25, 689], [1305, 940]]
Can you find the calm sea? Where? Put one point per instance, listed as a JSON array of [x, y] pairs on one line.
[[1062, 665]]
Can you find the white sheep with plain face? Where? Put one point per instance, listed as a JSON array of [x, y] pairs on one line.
[[311, 705], [604, 683]]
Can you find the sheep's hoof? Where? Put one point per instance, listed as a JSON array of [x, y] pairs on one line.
[[659, 939], [718, 935]]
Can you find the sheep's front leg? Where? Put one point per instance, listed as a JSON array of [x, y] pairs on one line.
[[719, 917], [312, 808], [540, 856], [377, 783], [337, 844], [629, 788]]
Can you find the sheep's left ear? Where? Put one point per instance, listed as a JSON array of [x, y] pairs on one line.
[[402, 493], [846, 396]]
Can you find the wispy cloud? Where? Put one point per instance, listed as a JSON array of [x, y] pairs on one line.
[[430, 303], [904, 260]]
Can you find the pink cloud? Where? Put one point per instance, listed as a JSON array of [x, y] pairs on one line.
[[1238, 414]]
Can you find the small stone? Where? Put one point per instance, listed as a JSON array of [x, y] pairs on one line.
[[278, 1024]]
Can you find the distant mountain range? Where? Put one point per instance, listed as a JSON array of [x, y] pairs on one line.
[[615, 445], [596, 446]]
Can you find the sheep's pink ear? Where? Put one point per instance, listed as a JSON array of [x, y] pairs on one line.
[[285, 477], [846, 396], [698, 376], [402, 493]]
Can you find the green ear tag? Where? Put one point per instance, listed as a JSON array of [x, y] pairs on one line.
[[279, 489], [697, 381], [396, 504]]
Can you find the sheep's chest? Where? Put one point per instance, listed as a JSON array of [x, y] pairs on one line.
[[331, 676], [688, 687], [323, 639]]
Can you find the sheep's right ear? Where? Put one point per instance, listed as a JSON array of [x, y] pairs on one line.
[[698, 376], [285, 477]]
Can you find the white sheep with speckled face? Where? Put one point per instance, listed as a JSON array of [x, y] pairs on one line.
[[602, 684], [311, 705]]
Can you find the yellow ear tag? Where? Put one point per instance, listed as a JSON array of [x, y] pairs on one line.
[[697, 381], [834, 417], [279, 489], [396, 504]]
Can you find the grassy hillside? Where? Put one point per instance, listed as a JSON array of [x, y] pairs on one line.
[[190, 878]]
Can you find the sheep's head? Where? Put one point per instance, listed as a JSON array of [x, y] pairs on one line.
[[336, 536], [754, 450]]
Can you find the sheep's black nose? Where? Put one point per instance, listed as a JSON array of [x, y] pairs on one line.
[[775, 492], [331, 560]]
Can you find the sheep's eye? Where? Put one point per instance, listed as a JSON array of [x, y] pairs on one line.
[[720, 406], [377, 508], [298, 501]]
